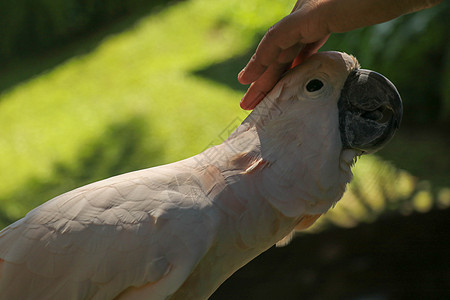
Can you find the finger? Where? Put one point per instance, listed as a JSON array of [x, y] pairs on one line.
[[277, 39], [308, 50], [264, 55], [267, 81], [260, 88], [295, 54], [289, 54], [296, 6], [251, 98]]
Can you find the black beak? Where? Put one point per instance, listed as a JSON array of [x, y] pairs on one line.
[[370, 110]]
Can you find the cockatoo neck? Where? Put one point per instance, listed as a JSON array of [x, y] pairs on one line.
[[291, 153], [300, 147]]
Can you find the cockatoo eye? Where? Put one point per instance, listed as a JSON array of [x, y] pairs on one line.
[[314, 85]]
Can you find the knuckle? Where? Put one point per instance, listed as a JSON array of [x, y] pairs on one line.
[[271, 32], [258, 60]]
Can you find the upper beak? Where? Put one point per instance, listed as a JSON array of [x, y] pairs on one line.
[[370, 110]]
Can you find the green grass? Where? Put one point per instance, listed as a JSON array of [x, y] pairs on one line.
[[158, 89]]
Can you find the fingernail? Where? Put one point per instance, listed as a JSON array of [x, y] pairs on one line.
[[241, 103], [245, 104], [256, 100], [241, 73]]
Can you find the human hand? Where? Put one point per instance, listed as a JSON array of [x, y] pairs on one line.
[[301, 33], [285, 45]]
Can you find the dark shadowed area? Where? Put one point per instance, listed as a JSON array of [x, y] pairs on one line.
[[394, 258]]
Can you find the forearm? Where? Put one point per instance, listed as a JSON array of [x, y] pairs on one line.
[[346, 15]]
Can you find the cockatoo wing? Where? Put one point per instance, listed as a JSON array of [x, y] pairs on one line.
[[98, 240]]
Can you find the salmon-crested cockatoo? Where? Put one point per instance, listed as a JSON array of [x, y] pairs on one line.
[[178, 231]]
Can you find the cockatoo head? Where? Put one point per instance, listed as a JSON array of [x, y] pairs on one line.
[[313, 124], [368, 106]]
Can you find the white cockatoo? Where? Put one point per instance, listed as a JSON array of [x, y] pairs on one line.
[[178, 231]]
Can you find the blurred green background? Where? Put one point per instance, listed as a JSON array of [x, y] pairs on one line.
[[91, 89]]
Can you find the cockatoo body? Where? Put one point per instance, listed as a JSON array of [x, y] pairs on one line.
[[178, 231]]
